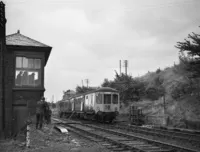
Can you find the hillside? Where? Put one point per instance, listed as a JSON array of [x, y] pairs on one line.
[[181, 99]]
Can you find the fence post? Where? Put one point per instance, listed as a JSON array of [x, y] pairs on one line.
[[28, 136], [28, 122]]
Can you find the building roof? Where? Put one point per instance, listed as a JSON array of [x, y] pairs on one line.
[[18, 39]]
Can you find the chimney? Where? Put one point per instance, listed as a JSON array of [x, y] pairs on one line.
[[18, 31]]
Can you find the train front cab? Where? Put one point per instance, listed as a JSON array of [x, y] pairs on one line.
[[64, 108], [107, 106]]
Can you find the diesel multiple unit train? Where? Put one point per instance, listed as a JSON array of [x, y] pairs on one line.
[[101, 104]]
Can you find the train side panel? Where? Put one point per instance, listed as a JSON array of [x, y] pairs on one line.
[[77, 103], [89, 102], [68, 106]]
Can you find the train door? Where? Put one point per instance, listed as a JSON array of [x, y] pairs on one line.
[[86, 105], [91, 102], [98, 105], [107, 101], [72, 101], [82, 103], [115, 102]]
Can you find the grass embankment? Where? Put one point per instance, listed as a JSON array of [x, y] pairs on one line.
[[180, 112]]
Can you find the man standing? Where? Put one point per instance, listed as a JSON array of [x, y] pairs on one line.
[[47, 114], [40, 107]]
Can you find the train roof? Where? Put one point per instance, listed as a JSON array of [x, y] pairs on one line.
[[102, 89], [105, 89]]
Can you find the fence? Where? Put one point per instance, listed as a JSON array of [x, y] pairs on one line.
[[156, 120]]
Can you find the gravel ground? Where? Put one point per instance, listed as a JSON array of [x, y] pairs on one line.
[[50, 140]]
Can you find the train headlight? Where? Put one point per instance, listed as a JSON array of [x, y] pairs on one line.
[[98, 109], [116, 109]]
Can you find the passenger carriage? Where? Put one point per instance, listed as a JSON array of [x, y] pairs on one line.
[[101, 104]]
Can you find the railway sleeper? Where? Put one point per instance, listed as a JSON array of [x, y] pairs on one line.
[[168, 132], [121, 144], [160, 150], [119, 149], [112, 147], [143, 146], [163, 134], [154, 142], [126, 146]]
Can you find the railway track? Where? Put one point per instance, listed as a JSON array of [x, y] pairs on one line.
[[116, 140], [179, 137], [189, 136], [186, 138]]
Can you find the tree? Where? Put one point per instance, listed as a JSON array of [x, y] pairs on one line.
[[130, 89], [53, 105], [106, 83], [155, 88], [83, 89], [190, 54]]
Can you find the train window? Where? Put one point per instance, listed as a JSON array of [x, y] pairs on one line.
[[107, 98], [28, 72], [86, 97], [115, 99], [99, 98]]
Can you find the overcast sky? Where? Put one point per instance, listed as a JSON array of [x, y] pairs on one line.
[[89, 37]]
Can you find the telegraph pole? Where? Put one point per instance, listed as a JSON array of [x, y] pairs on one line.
[[164, 110], [82, 83], [120, 67], [87, 81], [126, 66]]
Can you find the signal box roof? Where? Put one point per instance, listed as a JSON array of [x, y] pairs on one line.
[[18, 39]]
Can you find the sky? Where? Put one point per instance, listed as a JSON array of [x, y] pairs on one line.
[[89, 37]]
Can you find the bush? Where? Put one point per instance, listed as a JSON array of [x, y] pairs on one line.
[[158, 70]]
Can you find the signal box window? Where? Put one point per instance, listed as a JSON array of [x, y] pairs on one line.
[[99, 98], [28, 72], [107, 98], [115, 99]]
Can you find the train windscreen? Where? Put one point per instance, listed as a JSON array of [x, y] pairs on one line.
[[115, 99], [107, 98]]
